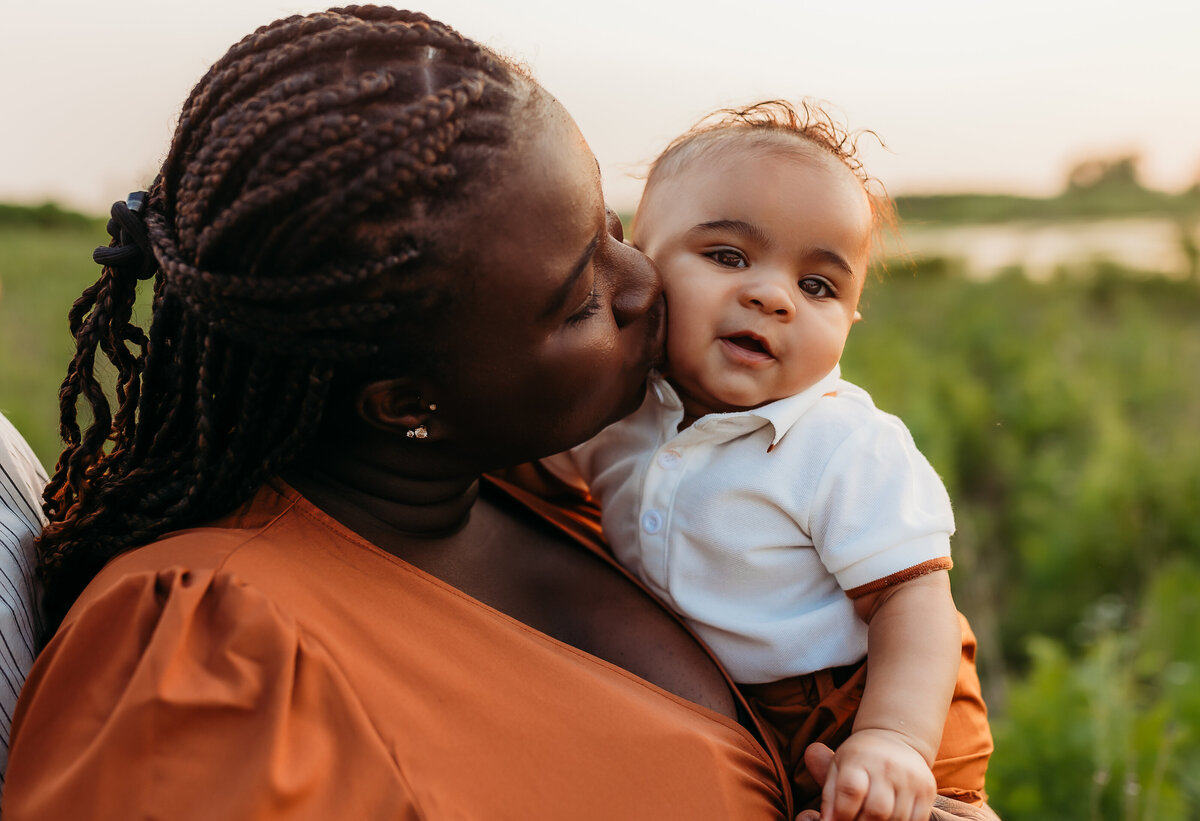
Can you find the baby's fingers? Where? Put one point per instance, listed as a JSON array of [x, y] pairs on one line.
[[881, 804], [914, 797], [920, 809], [921, 801], [844, 793]]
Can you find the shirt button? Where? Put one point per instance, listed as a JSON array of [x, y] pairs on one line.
[[669, 459], [652, 521]]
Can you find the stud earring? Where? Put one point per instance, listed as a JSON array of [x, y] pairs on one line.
[[420, 431]]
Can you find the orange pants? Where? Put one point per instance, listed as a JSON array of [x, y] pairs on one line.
[[821, 707]]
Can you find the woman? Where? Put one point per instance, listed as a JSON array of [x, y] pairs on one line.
[[382, 267]]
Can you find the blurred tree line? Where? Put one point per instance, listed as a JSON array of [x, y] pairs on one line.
[[1095, 188]]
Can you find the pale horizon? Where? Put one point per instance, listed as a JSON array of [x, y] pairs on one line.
[[967, 96]]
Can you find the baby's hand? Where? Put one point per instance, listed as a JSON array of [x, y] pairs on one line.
[[877, 776]]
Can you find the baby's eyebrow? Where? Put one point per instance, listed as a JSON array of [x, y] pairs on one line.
[[834, 258], [747, 230]]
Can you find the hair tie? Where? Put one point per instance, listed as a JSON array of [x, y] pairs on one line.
[[131, 246]]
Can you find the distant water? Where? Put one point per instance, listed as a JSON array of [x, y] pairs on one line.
[[1152, 245]]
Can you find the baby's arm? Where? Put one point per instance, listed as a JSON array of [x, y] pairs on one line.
[[914, 645]]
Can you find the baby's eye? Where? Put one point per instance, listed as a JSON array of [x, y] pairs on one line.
[[815, 286], [728, 257]]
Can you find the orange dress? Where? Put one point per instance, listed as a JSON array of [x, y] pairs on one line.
[[275, 664]]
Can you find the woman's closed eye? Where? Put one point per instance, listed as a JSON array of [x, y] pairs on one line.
[[728, 257], [589, 309], [817, 287]]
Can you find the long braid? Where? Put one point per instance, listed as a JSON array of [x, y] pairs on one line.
[[305, 132]]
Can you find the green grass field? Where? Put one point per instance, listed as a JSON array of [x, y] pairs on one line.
[[1065, 419], [42, 271]]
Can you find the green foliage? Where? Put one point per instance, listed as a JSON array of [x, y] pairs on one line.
[[1062, 416], [1116, 732]]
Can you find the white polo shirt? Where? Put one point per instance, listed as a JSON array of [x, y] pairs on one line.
[[758, 526]]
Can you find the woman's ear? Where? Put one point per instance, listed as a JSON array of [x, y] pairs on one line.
[[394, 405]]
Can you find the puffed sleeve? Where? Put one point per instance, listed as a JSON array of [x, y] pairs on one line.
[[180, 695]]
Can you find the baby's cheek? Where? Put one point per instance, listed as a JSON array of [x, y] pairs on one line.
[[681, 345]]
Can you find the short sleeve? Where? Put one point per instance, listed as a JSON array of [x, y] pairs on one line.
[[881, 513], [183, 695]]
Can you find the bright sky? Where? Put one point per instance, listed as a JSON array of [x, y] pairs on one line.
[[968, 94]]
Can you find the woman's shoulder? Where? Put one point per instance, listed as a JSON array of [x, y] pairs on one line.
[[237, 543], [192, 602], [238, 564]]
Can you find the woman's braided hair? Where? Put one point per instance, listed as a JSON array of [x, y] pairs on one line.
[[288, 231]]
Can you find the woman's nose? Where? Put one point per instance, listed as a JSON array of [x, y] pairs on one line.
[[638, 284], [639, 288], [769, 296]]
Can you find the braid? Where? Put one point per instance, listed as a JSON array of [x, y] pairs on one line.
[[306, 143]]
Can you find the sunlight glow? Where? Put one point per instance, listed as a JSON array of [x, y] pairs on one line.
[[967, 96]]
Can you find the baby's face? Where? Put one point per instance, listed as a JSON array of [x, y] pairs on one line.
[[763, 258]]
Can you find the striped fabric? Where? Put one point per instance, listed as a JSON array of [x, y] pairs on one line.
[[21, 483]]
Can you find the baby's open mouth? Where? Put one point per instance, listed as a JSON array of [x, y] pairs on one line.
[[749, 343]]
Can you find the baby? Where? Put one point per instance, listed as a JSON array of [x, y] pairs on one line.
[[794, 525]]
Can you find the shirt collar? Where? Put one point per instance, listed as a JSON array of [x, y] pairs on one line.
[[783, 413], [780, 414]]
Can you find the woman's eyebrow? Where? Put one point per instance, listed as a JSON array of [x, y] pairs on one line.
[[748, 230], [559, 297]]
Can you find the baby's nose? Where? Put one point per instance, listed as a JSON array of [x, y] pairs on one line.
[[769, 297]]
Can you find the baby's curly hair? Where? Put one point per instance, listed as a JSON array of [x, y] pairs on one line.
[[769, 125]]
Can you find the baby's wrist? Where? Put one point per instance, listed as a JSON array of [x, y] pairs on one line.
[[892, 735]]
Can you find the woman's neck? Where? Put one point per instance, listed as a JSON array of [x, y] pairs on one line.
[[383, 496]]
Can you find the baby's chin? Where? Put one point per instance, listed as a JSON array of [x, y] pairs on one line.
[[704, 402], [735, 401]]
